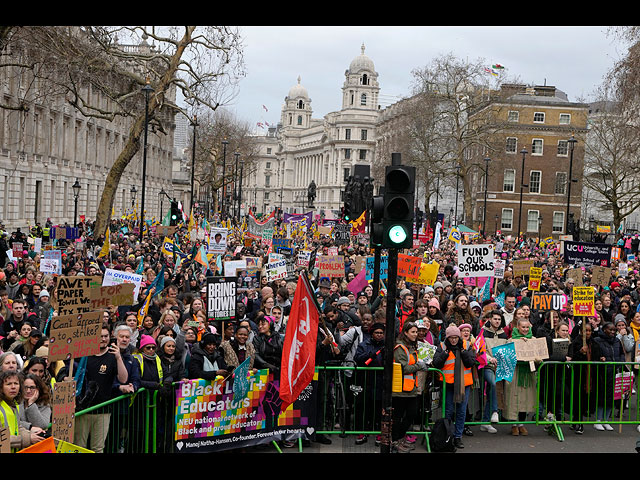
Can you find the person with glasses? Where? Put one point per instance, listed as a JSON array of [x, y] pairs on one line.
[[151, 373], [35, 411]]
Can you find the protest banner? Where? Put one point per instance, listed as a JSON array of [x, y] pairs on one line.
[[120, 294], [475, 260], [584, 301], [498, 268], [72, 294], [428, 273], [76, 335], [248, 278], [531, 349], [332, 251], [384, 267], [165, 230], [281, 242], [63, 407], [5, 440], [535, 277], [56, 255], [409, 267], [17, 250], [306, 218], [623, 269], [324, 230], [559, 349], [600, 276], [276, 270], [505, 354], [360, 263], [521, 268], [342, 233], [330, 266], [115, 277], [303, 258], [48, 265], [217, 241], [545, 301], [209, 417], [232, 266], [221, 298], [616, 253], [587, 254]]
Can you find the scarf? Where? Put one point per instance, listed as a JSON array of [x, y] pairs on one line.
[[636, 330], [525, 375], [458, 372]]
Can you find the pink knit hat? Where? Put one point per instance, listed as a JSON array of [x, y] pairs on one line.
[[434, 303], [146, 340]]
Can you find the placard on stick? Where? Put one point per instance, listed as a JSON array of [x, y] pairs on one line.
[[73, 294], [74, 336], [121, 294], [63, 406]]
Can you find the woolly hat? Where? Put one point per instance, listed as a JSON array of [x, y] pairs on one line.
[[146, 340], [437, 285], [166, 339], [464, 325], [452, 331], [208, 338], [475, 304], [615, 285], [343, 301], [43, 293], [434, 303]]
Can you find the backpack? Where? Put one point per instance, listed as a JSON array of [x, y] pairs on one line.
[[441, 438]]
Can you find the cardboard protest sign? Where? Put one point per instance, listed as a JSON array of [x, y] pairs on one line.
[[576, 275], [221, 298], [276, 270], [330, 266], [304, 258], [116, 277], [74, 336], [600, 276], [587, 254], [217, 241], [384, 267], [530, 349], [498, 268], [535, 277], [72, 294], [584, 301], [165, 230], [48, 265], [522, 267], [63, 406], [475, 260], [5, 440], [428, 273], [549, 301], [324, 230], [409, 267], [120, 294]]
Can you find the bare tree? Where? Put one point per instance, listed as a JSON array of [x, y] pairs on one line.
[[197, 64]]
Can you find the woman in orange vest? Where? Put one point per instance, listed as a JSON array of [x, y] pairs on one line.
[[405, 402], [455, 359]]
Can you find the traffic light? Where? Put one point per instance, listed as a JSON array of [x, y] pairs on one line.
[[399, 195], [175, 213], [376, 230], [419, 219], [433, 218], [346, 213]]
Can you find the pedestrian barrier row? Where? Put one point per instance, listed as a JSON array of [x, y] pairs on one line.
[[349, 402]]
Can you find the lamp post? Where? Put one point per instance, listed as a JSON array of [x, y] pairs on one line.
[[540, 226], [486, 183], [193, 158], [147, 89], [450, 215], [524, 153], [224, 167], [240, 190], [455, 219], [76, 193], [572, 142], [496, 219], [162, 193], [133, 196]]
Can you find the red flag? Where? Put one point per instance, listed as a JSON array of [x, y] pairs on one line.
[[299, 351]]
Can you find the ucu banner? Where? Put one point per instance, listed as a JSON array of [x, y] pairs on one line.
[[587, 254]]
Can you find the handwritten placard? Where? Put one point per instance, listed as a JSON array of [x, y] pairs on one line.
[[63, 406], [73, 293]]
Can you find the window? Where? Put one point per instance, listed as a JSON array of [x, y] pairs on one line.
[[538, 117], [345, 173], [267, 181], [269, 151], [561, 183], [507, 219], [535, 178], [512, 145], [514, 116], [363, 154], [299, 119], [564, 119], [363, 99], [537, 146], [266, 195], [347, 134], [300, 105], [532, 220], [509, 182], [347, 153], [363, 134], [563, 148], [558, 222]]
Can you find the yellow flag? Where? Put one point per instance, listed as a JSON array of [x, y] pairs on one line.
[[106, 246]]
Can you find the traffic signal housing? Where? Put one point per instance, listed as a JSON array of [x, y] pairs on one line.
[[399, 199], [376, 230], [175, 213]]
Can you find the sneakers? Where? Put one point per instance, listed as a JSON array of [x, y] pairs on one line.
[[361, 439], [598, 427], [495, 418], [522, 430], [457, 442], [410, 438], [399, 447], [408, 444], [488, 428], [579, 430], [608, 427], [467, 431], [378, 440]]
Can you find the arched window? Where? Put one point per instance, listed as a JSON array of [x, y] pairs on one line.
[[299, 119], [365, 79], [300, 104], [363, 99]]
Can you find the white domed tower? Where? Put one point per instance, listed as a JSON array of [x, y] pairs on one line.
[[296, 111], [361, 88]]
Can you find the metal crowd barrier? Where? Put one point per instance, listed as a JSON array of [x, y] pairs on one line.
[[350, 403]]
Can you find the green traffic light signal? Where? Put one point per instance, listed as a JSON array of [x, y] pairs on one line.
[[397, 234]]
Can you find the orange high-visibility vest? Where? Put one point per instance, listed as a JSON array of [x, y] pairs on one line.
[[408, 379], [449, 368]]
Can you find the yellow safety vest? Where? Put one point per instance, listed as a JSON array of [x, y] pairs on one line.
[[9, 419], [141, 362]]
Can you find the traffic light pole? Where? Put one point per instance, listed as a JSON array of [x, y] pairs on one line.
[[389, 343], [376, 271]]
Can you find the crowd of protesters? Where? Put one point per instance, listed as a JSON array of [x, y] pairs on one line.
[[174, 340]]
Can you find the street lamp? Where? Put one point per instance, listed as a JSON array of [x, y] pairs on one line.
[[496, 219], [146, 89], [133, 197], [524, 153], [162, 192], [235, 184], [450, 215], [572, 142], [486, 182], [457, 181], [240, 190], [224, 167], [540, 225], [193, 158], [76, 193]]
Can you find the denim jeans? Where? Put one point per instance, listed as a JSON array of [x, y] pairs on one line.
[[459, 409], [491, 404]]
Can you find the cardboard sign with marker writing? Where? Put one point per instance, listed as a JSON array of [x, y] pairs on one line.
[[121, 294], [74, 336], [522, 267], [73, 294], [531, 349], [576, 275], [600, 276], [409, 267], [63, 406]]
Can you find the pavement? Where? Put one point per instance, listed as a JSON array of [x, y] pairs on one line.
[[538, 441]]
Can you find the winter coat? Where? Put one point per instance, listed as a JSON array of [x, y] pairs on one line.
[[198, 364], [268, 351]]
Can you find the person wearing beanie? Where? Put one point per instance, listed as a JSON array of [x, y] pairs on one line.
[[455, 358], [151, 374], [207, 361], [268, 345], [173, 369]]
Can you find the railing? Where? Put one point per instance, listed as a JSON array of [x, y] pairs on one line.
[[350, 403]]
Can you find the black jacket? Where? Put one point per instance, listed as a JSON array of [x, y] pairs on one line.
[[268, 351], [197, 362]]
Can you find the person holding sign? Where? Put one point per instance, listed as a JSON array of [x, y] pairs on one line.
[[611, 350], [520, 393]]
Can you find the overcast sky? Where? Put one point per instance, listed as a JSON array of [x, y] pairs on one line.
[[573, 58]]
